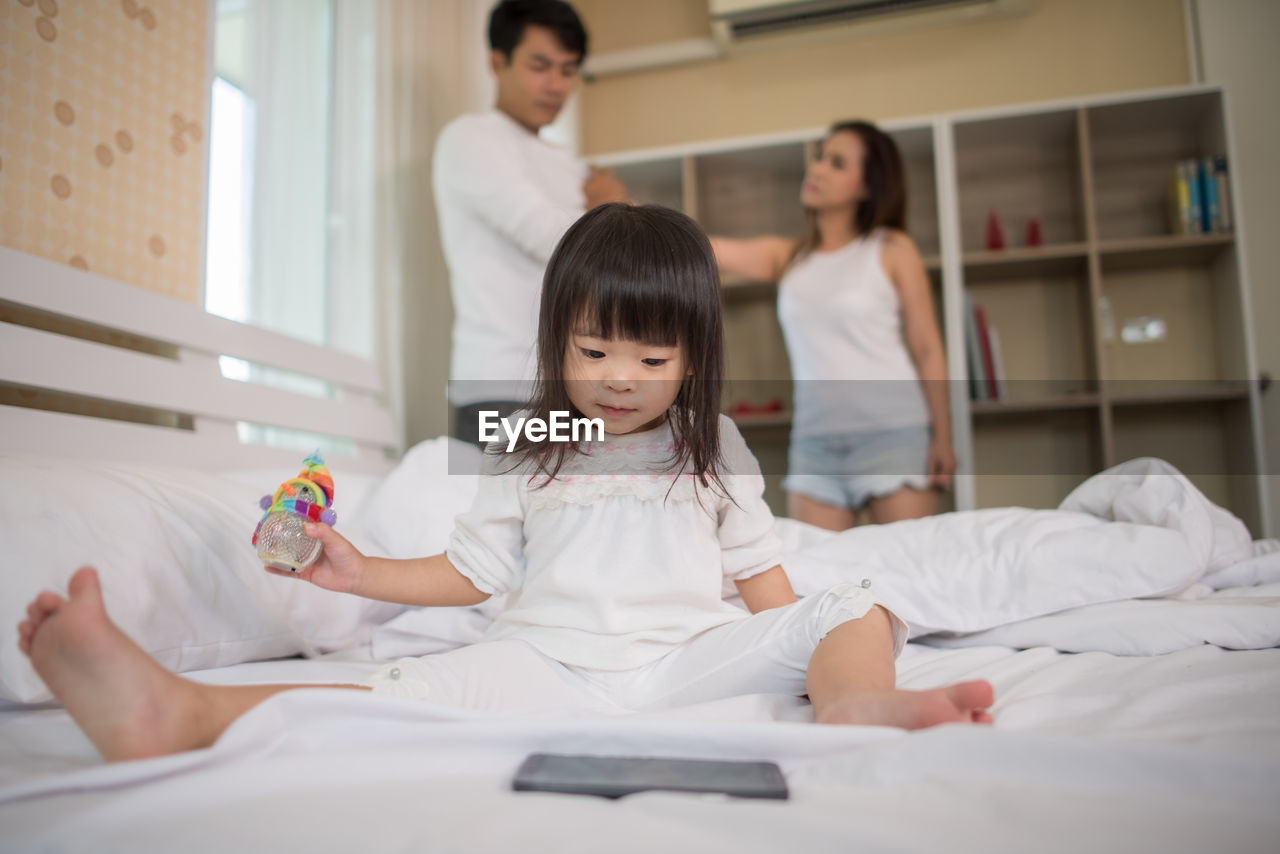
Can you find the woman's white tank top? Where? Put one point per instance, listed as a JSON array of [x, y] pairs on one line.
[[842, 321]]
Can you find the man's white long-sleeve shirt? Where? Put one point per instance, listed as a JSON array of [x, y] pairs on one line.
[[503, 197]]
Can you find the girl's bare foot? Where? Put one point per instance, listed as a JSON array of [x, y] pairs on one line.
[[127, 704], [964, 702]]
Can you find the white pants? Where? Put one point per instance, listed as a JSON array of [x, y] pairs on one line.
[[767, 652]]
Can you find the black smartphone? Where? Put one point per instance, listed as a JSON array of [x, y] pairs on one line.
[[615, 776]]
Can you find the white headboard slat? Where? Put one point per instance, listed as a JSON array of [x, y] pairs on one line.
[[83, 437], [62, 393], [50, 361], [58, 289]]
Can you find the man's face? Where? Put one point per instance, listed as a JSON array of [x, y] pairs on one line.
[[534, 85]]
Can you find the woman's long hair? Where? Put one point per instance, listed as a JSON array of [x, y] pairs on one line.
[[885, 205], [642, 273]]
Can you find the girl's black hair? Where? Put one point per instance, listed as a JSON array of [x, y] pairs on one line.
[[510, 18], [642, 273], [885, 205]]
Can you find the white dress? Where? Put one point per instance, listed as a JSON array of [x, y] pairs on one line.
[[617, 561]]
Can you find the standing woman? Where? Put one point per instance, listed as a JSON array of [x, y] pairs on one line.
[[871, 428]]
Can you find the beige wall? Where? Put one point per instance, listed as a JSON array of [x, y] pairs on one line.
[[1237, 41], [1062, 48], [102, 138], [432, 63]]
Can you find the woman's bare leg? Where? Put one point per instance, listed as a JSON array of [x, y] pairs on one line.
[[905, 503], [127, 704], [851, 681], [802, 508]]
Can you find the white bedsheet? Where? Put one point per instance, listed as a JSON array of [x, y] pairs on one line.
[[1093, 751], [1090, 752]]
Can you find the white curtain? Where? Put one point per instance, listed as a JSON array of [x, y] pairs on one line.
[[287, 74], [431, 63]]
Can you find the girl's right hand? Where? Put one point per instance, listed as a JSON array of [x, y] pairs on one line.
[[340, 566]]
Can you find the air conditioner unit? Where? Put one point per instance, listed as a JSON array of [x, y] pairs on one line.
[[737, 23]]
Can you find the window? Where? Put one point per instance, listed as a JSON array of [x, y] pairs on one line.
[[291, 180], [286, 178]]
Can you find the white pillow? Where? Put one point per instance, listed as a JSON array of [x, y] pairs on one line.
[[179, 573], [411, 513]]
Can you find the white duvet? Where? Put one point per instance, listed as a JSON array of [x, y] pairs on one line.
[[1017, 577], [1125, 635]]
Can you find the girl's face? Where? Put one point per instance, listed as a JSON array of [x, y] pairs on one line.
[[834, 179], [628, 385]]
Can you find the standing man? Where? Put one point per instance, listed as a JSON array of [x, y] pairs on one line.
[[504, 197]]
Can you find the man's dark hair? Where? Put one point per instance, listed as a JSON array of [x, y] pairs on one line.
[[508, 20]]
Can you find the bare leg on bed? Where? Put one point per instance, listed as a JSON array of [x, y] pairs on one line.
[[127, 704], [851, 681]]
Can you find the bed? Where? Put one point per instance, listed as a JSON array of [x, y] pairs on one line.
[[1131, 636]]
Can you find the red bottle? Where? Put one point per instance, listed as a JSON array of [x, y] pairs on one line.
[[1035, 237], [995, 234]]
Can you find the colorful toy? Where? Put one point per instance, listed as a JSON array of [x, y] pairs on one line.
[[282, 543]]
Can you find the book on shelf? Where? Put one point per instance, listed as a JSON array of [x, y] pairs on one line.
[[984, 347], [1222, 184], [1191, 174], [997, 363], [973, 354], [1199, 196], [1180, 201], [1209, 216], [982, 354]]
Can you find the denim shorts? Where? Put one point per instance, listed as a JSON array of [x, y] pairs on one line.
[[850, 469]]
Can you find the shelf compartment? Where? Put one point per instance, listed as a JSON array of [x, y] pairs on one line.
[[1024, 405], [1171, 393], [1167, 250], [920, 168], [1194, 309], [1033, 459], [734, 291], [752, 191], [1136, 145], [1020, 167], [1045, 328], [762, 420], [656, 182], [1066, 259]]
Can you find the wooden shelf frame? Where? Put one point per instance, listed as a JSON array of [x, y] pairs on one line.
[[1106, 257]]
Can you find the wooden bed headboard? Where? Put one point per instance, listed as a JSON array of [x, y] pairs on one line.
[[95, 368]]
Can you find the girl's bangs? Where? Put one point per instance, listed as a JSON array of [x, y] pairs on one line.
[[623, 308]]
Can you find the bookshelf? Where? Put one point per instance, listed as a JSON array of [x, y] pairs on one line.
[[1118, 338]]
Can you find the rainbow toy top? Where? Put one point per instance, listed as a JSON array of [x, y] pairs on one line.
[[309, 495]]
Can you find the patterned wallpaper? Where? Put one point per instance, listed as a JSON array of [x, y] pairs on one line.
[[102, 136]]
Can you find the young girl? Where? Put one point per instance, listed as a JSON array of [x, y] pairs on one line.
[[614, 551], [871, 426]]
